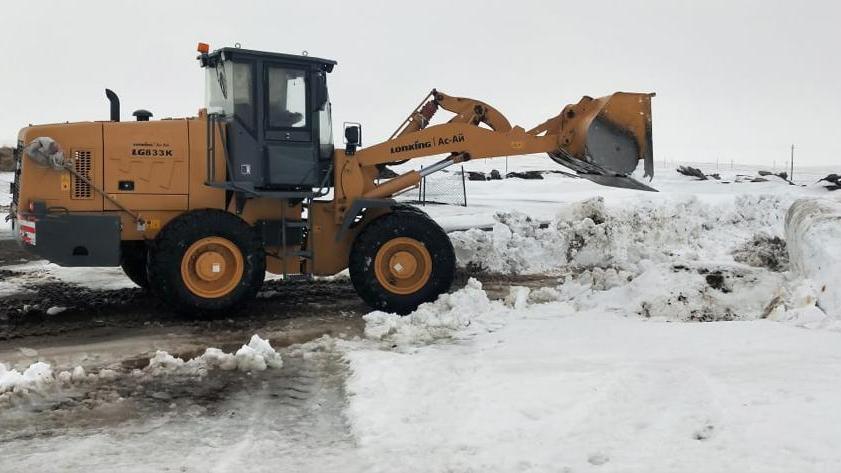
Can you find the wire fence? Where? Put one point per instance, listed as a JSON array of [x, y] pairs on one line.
[[440, 188]]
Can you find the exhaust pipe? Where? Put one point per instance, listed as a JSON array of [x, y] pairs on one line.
[[115, 104]]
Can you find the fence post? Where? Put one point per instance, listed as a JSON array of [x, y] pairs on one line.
[[463, 186], [420, 188], [423, 191]]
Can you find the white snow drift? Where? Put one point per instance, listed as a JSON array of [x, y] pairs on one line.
[[813, 232], [589, 234]]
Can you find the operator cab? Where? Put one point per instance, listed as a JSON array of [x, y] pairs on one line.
[[277, 113]]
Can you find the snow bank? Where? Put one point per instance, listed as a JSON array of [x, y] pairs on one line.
[[687, 292], [681, 258], [588, 234], [813, 233]]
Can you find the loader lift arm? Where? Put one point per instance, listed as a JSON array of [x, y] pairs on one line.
[[466, 111], [601, 139]]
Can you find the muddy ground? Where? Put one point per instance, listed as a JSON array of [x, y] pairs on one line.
[[306, 308], [293, 414], [99, 328]]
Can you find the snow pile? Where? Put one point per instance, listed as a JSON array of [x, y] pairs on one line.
[[39, 377], [460, 313], [164, 361], [681, 259], [77, 375], [35, 377], [688, 292], [813, 232], [257, 355], [587, 234]]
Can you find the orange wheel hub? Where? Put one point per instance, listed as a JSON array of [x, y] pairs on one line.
[[403, 265], [212, 267]]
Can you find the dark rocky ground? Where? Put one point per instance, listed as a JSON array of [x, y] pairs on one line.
[[6, 162], [27, 313]]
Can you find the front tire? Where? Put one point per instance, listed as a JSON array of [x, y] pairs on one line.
[[401, 260], [206, 262]]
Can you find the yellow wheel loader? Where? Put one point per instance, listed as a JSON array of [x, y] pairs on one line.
[[198, 209]]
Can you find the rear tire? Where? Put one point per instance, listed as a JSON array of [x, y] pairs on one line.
[[133, 262], [401, 260], [206, 263]]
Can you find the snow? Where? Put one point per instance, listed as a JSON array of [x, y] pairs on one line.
[[34, 377], [450, 315], [41, 270], [6, 178], [541, 199], [164, 361], [588, 234], [257, 355], [606, 368], [548, 388], [55, 310], [813, 231]]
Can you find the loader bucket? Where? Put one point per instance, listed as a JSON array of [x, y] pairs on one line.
[[605, 139]]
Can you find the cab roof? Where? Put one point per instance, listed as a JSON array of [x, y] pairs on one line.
[[250, 54]]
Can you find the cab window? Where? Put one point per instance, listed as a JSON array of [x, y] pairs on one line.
[[287, 98], [243, 94]]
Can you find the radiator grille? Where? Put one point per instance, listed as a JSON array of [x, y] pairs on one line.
[[82, 164]]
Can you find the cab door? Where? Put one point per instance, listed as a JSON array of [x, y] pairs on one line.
[[290, 152]]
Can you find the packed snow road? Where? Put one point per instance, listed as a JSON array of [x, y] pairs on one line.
[[572, 342]]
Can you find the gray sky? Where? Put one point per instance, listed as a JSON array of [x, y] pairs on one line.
[[734, 79]]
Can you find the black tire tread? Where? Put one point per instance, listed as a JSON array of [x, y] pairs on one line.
[[164, 261], [133, 262], [404, 220]]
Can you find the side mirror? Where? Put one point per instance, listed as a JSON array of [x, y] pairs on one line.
[[353, 137], [321, 95], [353, 134]]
